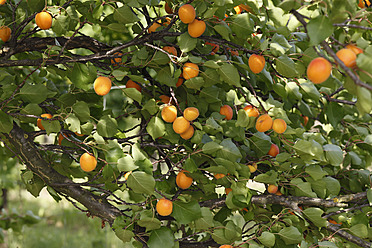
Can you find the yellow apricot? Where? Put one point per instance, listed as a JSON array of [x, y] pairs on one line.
[[43, 20], [251, 111], [191, 113], [319, 70], [347, 56], [188, 133], [279, 125], [264, 123], [256, 63], [102, 85], [190, 70], [186, 13], [196, 28], [5, 33], [180, 125], [169, 113], [227, 111]]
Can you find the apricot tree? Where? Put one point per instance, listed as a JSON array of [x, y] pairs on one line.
[[111, 80]]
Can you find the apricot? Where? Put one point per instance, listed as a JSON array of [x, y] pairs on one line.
[[88, 162], [238, 10], [190, 70], [164, 207], [102, 85], [153, 27], [48, 116], [43, 20], [170, 50], [2, 2], [347, 56], [355, 49], [5, 33], [196, 28], [168, 9], [306, 120], [191, 113], [364, 3], [227, 111], [319, 70], [180, 125], [215, 47], [118, 59], [251, 111], [278, 193], [182, 180], [179, 82], [274, 150], [188, 133], [132, 84], [272, 189], [219, 175], [186, 13], [252, 167], [245, 7], [126, 175], [256, 63], [264, 123], [279, 125], [61, 137], [165, 99], [169, 113], [225, 246], [228, 190]]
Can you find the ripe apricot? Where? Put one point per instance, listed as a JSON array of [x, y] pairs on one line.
[[225, 246], [153, 27], [219, 175], [252, 167], [334, 222], [251, 111], [182, 180], [165, 99], [180, 125], [354, 48], [2, 2], [347, 56], [364, 3], [215, 47], [196, 28], [118, 59], [126, 175], [228, 190], [179, 82], [272, 189], [238, 10], [48, 116], [191, 113], [132, 84], [168, 9], [190, 70], [164, 207], [88, 162], [227, 111], [245, 7], [5, 33], [319, 70], [279, 125], [188, 133], [43, 20], [278, 193], [256, 63], [187, 13], [170, 50], [169, 113], [306, 120], [102, 85], [274, 150], [264, 123], [61, 137]]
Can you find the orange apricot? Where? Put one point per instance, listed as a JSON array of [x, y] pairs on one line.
[[274, 150], [182, 180], [238, 10], [252, 167], [190, 70], [319, 70], [225, 246], [272, 189], [132, 84], [168, 9], [126, 175], [278, 193], [48, 116], [215, 47], [227, 111], [191, 113], [180, 125], [264, 123], [2, 2], [153, 27], [102, 85], [187, 13], [347, 56], [245, 7], [61, 137], [169, 113], [179, 81], [219, 175], [43, 20], [279, 125], [251, 111], [256, 63], [196, 28], [364, 3], [5, 33], [165, 99], [117, 60], [164, 207], [228, 190], [188, 133], [170, 50], [354, 48], [88, 162]]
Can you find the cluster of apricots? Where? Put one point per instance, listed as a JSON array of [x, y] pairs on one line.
[[265, 122], [320, 68], [187, 15], [364, 3], [182, 124]]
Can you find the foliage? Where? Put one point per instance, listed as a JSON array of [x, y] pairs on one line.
[[322, 170]]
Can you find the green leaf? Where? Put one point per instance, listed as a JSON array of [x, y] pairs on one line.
[[334, 113], [61, 24], [260, 143], [125, 15], [279, 45], [302, 188], [186, 42], [223, 30], [133, 93], [6, 122], [359, 230], [230, 74], [333, 185], [161, 238], [194, 83], [290, 235], [34, 93], [229, 150], [82, 76], [211, 147], [126, 163], [124, 234], [315, 171], [81, 110], [34, 184], [117, 27], [334, 154], [156, 127], [242, 25], [185, 213], [206, 221], [267, 239], [310, 90], [315, 216], [51, 126], [151, 107], [73, 123], [286, 66], [149, 221], [312, 148], [107, 126], [369, 196], [211, 64], [269, 177], [364, 103], [141, 182], [36, 5], [319, 29]]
